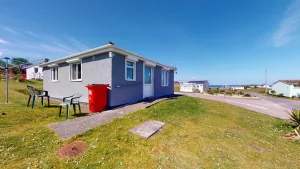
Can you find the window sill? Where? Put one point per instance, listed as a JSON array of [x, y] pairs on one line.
[[130, 79], [165, 85], [79, 80], [54, 81]]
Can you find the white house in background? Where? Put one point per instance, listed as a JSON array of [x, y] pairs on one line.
[[188, 87], [34, 72], [268, 87], [238, 87], [263, 86], [193, 86], [288, 88]]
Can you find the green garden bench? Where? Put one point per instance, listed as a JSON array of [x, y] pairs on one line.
[[72, 101], [34, 93]]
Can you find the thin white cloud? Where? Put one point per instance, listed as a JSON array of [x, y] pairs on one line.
[[0, 53], [20, 53], [288, 26], [52, 48], [32, 44], [8, 29], [80, 46], [33, 34], [3, 42]]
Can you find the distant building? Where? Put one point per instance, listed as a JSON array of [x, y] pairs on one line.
[[241, 87], [268, 87], [288, 88], [193, 86], [34, 72]]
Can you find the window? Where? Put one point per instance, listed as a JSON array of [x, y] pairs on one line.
[[164, 78], [130, 71], [54, 74], [76, 72], [148, 75]]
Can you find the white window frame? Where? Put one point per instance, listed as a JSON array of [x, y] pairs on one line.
[[133, 67], [167, 76], [71, 71], [51, 76]]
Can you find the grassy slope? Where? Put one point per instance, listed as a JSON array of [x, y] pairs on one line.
[[197, 133], [255, 90], [176, 87], [262, 90]]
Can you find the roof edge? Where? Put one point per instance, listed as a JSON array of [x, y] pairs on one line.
[[104, 49]]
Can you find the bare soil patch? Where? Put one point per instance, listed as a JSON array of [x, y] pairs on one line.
[[292, 136], [258, 148], [73, 149]]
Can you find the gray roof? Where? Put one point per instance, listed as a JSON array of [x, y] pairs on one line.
[[198, 81], [33, 64], [289, 82], [104, 49]]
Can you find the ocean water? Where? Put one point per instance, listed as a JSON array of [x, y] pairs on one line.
[[222, 86]]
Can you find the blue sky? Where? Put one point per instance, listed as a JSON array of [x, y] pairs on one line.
[[225, 42]]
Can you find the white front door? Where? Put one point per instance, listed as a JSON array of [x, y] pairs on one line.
[[148, 89]]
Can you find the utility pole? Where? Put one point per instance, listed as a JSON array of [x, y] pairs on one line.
[[6, 76], [266, 80]]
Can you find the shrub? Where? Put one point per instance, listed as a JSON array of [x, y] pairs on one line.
[[18, 77], [233, 92], [293, 97], [229, 93], [217, 91], [241, 93], [262, 92], [222, 91], [295, 117], [210, 92], [273, 92], [280, 95], [247, 95]]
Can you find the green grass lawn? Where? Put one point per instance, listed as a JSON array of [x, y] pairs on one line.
[[176, 87], [263, 90], [198, 133], [255, 90]]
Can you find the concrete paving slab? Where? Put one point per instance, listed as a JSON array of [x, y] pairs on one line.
[[80, 125], [148, 128]]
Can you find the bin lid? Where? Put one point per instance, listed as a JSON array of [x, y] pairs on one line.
[[91, 85]]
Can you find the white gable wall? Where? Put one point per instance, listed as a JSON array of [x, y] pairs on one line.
[[295, 91], [199, 87], [30, 73], [188, 87], [283, 88]]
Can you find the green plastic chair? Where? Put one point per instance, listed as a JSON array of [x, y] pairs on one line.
[[73, 101], [34, 93]]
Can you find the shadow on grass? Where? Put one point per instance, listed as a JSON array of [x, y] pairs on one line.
[[33, 81], [80, 114], [23, 91], [53, 106], [170, 97]]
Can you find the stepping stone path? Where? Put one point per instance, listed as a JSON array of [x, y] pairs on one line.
[[148, 128]]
